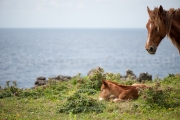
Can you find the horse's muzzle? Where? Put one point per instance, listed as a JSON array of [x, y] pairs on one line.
[[151, 50]]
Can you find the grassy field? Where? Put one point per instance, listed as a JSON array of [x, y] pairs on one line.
[[77, 99]]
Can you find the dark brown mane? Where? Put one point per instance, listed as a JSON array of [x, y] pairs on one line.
[[167, 19], [172, 12]]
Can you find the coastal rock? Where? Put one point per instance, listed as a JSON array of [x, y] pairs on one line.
[[40, 81], [130, 73], [61, 77], [144, 76], [123, 78], [41, 78]]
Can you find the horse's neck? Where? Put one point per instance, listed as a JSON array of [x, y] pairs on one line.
[[174, 33]]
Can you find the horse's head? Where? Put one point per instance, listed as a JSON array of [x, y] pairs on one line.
[[156, 29], [105, 91]]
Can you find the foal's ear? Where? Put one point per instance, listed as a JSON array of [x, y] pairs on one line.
[[149, 12], [104, 82]]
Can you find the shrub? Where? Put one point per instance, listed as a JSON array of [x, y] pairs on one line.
[[94, 81], [9, 91], [78, 103], [128, 82], [172, 79], [87, 91], [77, 79], [112, 77], [153, 95], [156, 96]]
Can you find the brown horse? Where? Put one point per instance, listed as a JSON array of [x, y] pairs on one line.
[[161, 23], [121, 92]]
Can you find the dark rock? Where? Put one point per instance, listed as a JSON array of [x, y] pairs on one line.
[[130, 73], [61, 77], [41, 78], [123, 78], [40, 81], [144, 76]]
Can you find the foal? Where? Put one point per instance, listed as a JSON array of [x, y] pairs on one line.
[[121, 92]]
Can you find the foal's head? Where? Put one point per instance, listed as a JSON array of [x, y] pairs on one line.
[[105, 91], [156, 28]]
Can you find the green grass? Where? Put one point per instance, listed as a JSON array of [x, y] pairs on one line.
[[160, 102]]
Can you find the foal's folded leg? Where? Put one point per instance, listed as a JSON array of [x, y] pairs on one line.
[[118, 100], [112, 97]]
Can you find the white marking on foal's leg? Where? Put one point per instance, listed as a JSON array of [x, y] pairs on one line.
[[101, 98], [118, 100]]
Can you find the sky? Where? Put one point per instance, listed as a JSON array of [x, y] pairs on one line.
[[78, 13]]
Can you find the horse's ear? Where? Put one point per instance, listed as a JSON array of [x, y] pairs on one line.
[[160, 9], [104, 82], [149, 12], [160, 12]]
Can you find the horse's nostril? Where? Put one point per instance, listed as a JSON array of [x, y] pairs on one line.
[[151, 48]]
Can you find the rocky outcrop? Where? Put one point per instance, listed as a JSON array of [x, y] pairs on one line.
[[129, 75], [40, 81], [144, 76], [61, 78]]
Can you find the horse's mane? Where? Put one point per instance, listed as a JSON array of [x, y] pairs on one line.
[[122, 86], [167, 16]]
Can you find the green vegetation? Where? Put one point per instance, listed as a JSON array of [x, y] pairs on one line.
[[77, 99]]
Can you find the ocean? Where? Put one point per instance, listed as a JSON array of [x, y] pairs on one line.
[[26, 54]]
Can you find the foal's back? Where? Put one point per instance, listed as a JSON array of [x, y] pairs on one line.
[[127, 92], [125, 87]]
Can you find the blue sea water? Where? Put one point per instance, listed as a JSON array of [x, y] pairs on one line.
[[26, 54]]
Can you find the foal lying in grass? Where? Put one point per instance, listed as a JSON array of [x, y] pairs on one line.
[[121, 92]]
